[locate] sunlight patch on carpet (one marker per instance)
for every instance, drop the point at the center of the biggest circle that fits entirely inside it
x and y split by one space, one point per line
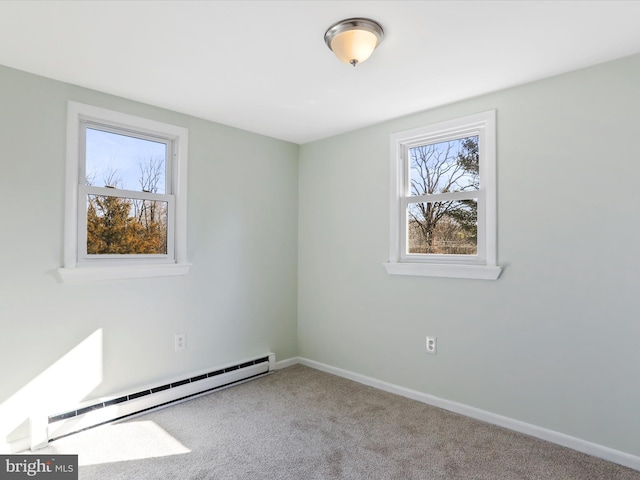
118 443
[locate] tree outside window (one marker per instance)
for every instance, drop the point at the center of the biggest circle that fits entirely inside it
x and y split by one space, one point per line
444 227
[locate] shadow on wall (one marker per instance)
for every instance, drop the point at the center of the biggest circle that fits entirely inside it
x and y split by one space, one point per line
61 386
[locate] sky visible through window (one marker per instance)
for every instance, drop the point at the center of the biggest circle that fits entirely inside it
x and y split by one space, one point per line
444 167
121 161
443 227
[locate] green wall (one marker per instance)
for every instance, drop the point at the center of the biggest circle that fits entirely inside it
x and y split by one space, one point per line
554 341
238 300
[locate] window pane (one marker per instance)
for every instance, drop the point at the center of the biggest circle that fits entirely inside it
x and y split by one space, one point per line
445 228
118 225
125 162
451 166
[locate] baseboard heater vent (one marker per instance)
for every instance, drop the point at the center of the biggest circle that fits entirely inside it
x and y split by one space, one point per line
117 408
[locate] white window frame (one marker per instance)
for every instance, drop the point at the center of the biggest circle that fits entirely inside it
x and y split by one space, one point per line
483 265
78 266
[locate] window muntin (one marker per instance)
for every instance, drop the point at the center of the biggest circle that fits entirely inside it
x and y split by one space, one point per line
443 206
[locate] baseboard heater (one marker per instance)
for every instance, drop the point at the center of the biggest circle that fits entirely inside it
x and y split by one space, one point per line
122 406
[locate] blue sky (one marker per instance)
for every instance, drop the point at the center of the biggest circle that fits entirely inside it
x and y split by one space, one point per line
108 152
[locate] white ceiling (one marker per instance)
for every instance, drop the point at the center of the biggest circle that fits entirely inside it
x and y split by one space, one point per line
263 65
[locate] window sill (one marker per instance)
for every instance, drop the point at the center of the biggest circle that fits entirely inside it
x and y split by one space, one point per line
478 272
121 272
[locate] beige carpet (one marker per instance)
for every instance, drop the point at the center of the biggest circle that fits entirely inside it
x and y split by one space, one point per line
302 424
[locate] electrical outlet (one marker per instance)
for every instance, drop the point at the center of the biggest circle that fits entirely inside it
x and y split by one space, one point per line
432 345
180 341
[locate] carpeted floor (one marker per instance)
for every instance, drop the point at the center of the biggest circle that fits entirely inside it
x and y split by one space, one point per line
303 424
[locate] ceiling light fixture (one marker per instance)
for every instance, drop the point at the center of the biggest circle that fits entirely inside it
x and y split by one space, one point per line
353 40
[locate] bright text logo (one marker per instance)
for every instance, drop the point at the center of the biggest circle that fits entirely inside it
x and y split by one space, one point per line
55 467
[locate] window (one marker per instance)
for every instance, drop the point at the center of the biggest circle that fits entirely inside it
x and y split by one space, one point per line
443 200
125 212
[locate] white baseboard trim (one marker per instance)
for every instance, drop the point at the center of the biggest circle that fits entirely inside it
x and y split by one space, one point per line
287 363
606 453
593 449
